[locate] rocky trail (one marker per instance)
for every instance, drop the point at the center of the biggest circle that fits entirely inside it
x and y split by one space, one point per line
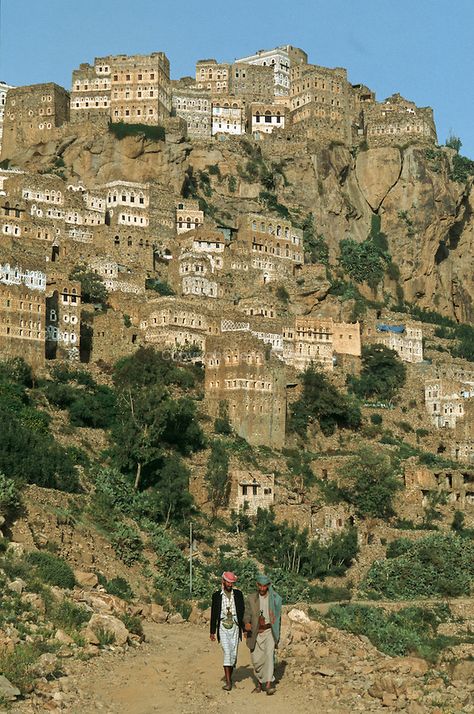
321 670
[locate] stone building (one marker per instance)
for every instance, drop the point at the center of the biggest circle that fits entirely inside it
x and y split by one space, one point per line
32 113
177 324
212 76
275 245
456 485
4 87
405 340
239 372
308 340
280 59
251 490
445 401
133 89
320 97
188 215
228 116
128 203
22 308
252 82
194 106
265 117
398 120
63 319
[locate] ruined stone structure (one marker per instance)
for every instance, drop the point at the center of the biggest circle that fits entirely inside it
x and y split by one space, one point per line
131 89
457 486
280 59
32 113
251 490
397 120
240 373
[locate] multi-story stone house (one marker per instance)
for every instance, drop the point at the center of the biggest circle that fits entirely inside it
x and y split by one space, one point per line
251 490
445 401
280 59
195 272
32 113
308 340
63 319
22 308
405 340
188 215
240 373
275 245
265 117
177 324
131 89
320 97
118 277
398 120
212 76
194 106
228 115
252 82
4 87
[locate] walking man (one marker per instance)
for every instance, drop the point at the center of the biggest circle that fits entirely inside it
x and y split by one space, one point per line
227 613
262 625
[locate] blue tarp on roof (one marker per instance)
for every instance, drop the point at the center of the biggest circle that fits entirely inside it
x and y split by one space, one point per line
391 328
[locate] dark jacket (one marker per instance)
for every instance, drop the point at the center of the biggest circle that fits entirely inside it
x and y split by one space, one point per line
216 611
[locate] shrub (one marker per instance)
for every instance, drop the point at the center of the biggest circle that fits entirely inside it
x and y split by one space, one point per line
321 401
120 587
17 665
105 637
52 570
382 374
412 630
159 286
10 497
369 482
120 130
439 565
282 293
127 544
68 616
133 624
376 419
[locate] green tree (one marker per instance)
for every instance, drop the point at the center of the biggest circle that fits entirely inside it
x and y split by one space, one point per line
454 142
369 482
382 374
93 289
217 477
321 401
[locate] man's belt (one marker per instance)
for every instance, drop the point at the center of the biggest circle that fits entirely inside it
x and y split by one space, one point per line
262 628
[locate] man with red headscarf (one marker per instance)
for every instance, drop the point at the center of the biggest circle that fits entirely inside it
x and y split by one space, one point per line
227 620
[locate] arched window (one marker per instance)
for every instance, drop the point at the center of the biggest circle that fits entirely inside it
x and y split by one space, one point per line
116 240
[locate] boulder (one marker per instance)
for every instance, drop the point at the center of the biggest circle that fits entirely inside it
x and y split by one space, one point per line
158 613
110 624
7 690
206 615
17 586
86 580
63 638
46 665
298 616
176 619
35 600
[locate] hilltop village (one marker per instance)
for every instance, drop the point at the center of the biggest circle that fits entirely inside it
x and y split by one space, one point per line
235 290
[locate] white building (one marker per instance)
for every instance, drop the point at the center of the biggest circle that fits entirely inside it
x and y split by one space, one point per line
228 117
281 59
3 98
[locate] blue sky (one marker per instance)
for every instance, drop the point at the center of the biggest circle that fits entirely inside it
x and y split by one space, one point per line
421 48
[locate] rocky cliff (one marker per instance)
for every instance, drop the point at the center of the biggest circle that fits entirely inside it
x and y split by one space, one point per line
425 215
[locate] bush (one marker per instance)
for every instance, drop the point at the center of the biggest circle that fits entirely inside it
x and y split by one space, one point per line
382 374
321 401
376 419
370 482
412 630
68 616
133 624
105 637
127 544
120 130
159 286
120 587
10 497
282 293
52 570
17 665
439 565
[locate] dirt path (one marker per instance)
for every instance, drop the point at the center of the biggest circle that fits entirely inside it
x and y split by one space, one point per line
178 670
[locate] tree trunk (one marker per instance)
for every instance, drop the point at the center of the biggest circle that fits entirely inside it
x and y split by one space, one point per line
138 476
